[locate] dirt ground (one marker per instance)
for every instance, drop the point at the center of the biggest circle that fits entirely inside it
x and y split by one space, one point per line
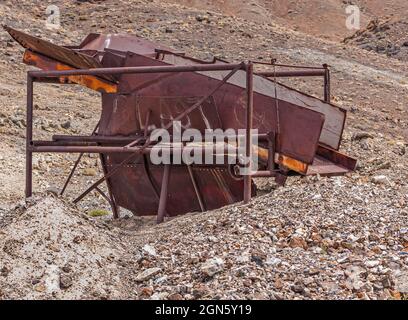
316 238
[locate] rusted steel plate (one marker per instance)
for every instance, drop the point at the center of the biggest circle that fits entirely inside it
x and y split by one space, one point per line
300 128
58 53
121 42
135 191
335 116
91 82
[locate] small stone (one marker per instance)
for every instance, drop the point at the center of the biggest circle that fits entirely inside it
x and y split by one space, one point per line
355 284
272 261
159 296
387 282
65 281
298 242
343 260
212 267
146 292
200 291
66 124
243 258
361 135
175 296
149 249
372 263
90 172
67 268
257 260
147 274
40 287
4 272
53 190
297 288
381 179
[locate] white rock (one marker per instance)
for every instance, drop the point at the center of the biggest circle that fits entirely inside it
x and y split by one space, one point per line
372 263
147 274
149 249
51 279
212 266
381 179
272 261
244 258
159 296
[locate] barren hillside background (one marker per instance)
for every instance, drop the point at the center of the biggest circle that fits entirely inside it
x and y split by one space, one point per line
332 238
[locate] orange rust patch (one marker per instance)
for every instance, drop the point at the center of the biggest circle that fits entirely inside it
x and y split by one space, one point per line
292 164
90 82
286 161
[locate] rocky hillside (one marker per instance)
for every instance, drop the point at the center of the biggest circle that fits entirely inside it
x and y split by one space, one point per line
388 37
332 238
315 17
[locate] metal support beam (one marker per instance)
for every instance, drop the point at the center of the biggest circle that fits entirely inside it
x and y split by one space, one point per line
29 138
133 70
249 118
163 194
76 165
327 89
115 209
196 189
271 151
292 74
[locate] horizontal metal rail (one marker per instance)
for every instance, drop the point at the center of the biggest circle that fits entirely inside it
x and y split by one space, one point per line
290 74
134 70
135 150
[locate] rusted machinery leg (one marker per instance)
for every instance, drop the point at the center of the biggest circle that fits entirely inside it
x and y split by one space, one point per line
249 116
327 91
115 209
76 165
281 176
78 160
163 194
29 138
196 189
271 151
103 195
111 173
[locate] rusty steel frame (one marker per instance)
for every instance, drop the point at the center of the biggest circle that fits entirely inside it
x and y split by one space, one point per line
45 146
292 139
311 72
76 165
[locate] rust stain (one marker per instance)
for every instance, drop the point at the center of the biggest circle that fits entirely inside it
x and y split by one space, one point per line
90 82
292 164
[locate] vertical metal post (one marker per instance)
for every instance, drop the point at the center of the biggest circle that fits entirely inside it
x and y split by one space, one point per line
327 90
163 194
271 151
249 117
29 137
115 208
196 189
